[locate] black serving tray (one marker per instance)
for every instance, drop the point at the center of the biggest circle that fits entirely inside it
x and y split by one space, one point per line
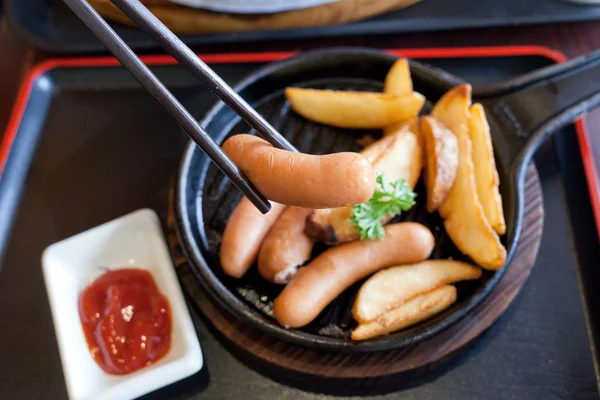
50 25
86 144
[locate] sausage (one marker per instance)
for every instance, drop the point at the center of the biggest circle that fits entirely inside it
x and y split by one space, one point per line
286 246
244 233
328 275
303 180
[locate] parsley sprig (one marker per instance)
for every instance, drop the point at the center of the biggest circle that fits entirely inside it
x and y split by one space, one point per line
389 199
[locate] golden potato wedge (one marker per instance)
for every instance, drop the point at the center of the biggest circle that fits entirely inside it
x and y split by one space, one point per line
486 174
398 80
412 312
402 159
331 226
365 140
398 156
392 287
358 110
441 160
374 150
411 123
463 215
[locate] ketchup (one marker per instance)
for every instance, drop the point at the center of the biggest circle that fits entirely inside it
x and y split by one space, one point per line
126 321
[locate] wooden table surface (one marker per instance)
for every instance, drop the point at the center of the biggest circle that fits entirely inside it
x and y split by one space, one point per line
16 58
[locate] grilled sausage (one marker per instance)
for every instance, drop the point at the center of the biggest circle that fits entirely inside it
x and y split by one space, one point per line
303 180
286 246
328 275
244 233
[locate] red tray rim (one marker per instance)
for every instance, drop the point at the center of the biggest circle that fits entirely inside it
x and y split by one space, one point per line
589 163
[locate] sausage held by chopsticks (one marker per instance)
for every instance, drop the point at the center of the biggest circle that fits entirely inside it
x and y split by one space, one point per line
303 180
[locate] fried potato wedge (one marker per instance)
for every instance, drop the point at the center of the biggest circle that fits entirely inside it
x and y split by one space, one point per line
331 226
486 174
357 110
365 140
402 159
374 150
441 160
412 312
398 80
463 215
398 156
392 287
411 123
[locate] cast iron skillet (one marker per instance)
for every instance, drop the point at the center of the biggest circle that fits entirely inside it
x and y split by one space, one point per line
522 113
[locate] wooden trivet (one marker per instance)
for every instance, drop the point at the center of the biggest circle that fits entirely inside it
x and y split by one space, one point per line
187 21
370 365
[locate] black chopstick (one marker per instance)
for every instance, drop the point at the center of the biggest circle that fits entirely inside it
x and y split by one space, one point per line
148 22
152 84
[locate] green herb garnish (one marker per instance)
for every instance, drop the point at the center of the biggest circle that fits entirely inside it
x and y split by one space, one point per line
389 199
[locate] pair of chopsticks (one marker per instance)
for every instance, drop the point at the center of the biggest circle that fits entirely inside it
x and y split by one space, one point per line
144 19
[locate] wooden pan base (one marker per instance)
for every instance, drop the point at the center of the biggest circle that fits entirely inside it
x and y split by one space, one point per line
188 21
381 364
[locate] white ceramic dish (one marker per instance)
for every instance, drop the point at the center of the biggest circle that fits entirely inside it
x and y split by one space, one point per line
134 240
252 6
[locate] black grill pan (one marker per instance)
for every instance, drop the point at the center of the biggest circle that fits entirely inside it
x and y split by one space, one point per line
522 114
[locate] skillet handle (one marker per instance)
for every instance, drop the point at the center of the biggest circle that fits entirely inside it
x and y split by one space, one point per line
532 107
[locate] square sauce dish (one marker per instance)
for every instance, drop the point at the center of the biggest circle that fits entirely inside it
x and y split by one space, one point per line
71 265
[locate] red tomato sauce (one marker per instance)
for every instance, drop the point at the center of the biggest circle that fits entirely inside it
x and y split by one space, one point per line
126 321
